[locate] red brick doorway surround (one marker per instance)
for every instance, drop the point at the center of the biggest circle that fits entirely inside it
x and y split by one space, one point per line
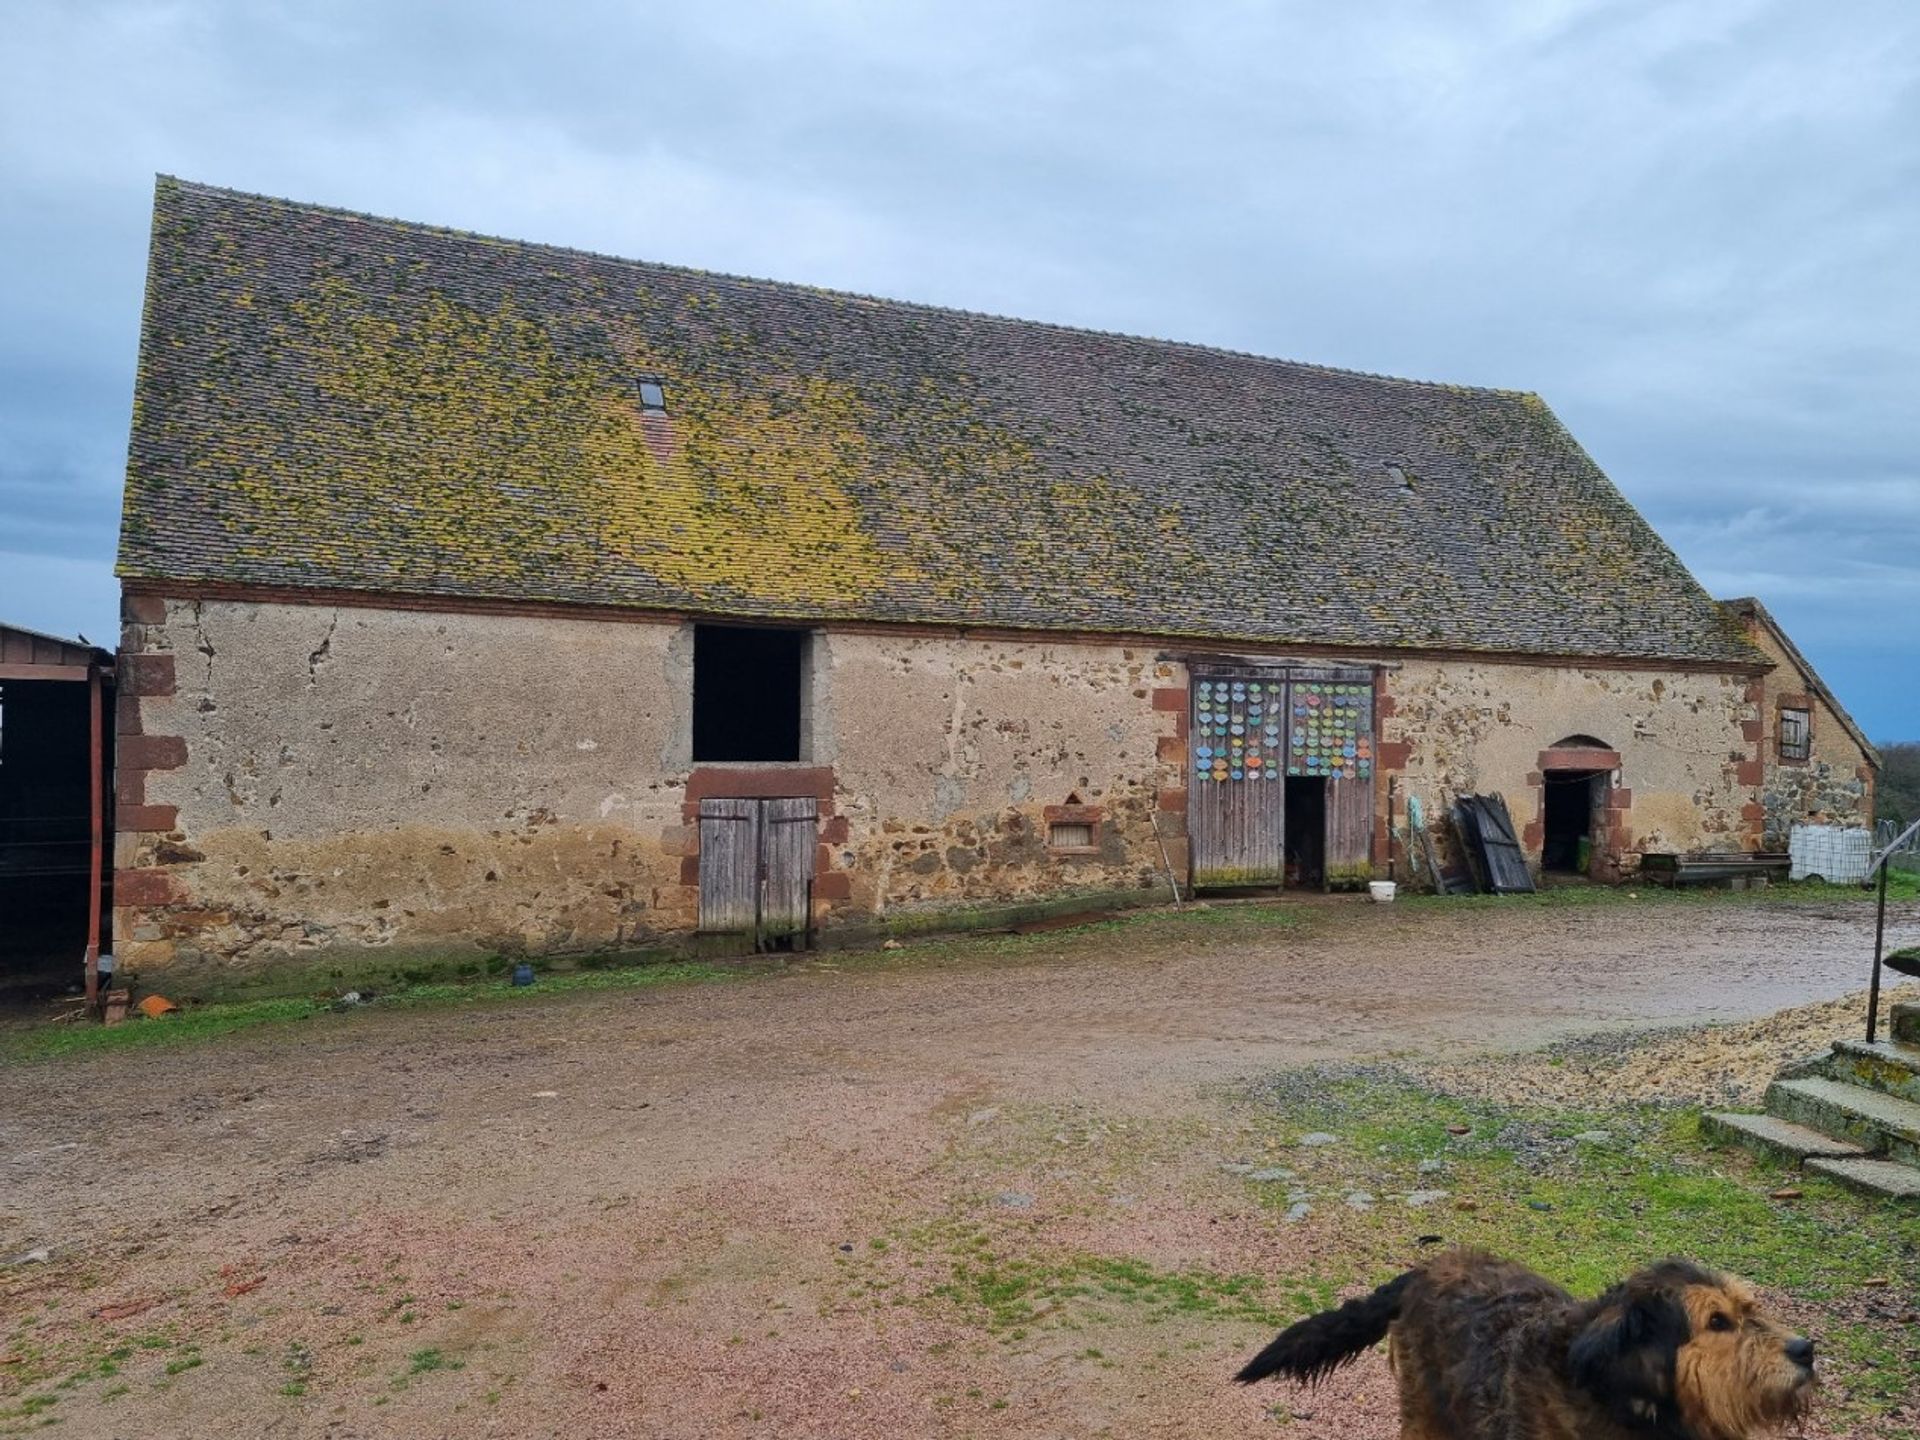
1612 839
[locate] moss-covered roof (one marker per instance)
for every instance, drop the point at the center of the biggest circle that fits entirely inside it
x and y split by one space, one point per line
331 400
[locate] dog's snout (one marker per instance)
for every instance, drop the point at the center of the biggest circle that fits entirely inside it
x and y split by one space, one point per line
1800 1351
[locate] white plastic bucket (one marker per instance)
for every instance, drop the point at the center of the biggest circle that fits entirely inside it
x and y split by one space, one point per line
1381 891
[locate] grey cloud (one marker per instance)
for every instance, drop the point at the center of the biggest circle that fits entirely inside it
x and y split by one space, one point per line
1689 227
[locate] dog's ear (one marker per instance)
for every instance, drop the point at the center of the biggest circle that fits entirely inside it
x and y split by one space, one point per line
1625 1355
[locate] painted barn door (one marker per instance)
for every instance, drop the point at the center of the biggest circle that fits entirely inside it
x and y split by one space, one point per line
1236 802
1330 736
756 869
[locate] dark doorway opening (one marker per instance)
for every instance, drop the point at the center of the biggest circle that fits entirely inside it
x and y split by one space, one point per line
1306 826
746 693
46 837
1566 848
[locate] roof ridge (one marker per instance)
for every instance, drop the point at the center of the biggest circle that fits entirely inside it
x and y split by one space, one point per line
955 311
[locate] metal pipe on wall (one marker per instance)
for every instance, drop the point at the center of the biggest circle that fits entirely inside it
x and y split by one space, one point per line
97 797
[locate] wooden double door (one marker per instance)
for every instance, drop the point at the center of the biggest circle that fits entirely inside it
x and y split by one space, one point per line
1264 740
756 869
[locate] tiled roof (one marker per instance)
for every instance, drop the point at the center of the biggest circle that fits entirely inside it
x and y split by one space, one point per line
335 401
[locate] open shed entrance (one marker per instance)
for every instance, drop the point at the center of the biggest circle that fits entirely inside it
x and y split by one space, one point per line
1573 799
54 770
1306 831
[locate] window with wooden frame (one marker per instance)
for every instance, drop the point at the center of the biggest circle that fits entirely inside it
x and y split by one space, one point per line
1073 828
1795 729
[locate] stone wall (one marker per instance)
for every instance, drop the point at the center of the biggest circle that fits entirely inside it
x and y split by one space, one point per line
1834 785
313 784
306 789
1687 765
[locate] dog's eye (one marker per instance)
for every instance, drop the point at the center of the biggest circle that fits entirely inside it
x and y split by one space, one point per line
1717 1321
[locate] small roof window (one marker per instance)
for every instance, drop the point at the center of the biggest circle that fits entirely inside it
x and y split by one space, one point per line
653 395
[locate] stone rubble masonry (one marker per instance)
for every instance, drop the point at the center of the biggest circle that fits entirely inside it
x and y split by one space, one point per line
306 785
1834 785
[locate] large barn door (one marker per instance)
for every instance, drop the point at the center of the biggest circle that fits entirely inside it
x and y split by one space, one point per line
756 869
1349 831
1330 736
787 835
1236 805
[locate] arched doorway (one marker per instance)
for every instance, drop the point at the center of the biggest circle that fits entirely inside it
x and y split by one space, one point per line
1576 777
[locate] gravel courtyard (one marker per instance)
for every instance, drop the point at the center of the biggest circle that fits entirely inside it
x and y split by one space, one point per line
1004 1186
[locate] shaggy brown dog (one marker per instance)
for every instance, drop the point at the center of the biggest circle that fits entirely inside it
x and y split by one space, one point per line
1487 1350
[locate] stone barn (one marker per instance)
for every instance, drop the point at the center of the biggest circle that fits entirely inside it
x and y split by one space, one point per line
1818 766
487 598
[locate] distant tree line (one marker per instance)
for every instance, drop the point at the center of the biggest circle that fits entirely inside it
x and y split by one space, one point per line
1899 798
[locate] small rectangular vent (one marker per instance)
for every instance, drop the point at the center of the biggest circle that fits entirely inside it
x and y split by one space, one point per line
1070 835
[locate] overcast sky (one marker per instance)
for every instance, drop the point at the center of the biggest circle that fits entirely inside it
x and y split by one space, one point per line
1694 228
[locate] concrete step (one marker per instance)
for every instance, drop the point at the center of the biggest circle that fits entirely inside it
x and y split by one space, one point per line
1888 1179
1889 1066
1905 1023
1770 1135
1884 1124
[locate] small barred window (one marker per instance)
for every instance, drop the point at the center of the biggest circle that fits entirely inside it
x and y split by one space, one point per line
1796 733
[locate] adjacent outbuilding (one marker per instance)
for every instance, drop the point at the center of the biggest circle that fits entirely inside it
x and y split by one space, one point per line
56 786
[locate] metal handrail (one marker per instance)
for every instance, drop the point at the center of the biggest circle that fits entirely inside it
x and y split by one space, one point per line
1880 924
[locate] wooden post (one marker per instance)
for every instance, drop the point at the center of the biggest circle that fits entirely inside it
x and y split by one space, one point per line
97 795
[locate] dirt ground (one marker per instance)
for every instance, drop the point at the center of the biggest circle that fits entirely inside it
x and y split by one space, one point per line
733 1209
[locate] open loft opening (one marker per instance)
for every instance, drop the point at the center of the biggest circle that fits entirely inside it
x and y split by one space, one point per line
747 690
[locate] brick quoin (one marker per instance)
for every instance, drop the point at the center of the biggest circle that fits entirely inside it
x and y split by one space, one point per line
1175 800
1751 730
1167 698
143 609
143 887
1170 747
1750 772
153 752
130 787
1394 754
836 885
147 675
145 819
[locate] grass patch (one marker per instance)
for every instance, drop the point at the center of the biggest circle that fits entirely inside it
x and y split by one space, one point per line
194 1024
423 1362
1586 1213
1009 1294
1162 923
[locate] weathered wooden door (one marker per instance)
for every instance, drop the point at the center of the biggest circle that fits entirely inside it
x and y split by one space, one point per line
788 829
1236 803
756 869
1349 831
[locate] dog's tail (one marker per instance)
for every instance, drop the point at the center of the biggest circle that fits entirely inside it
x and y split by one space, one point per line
1313 1348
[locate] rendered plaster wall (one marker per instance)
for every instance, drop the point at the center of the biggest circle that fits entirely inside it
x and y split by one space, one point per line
306 786
1834 785
1688 773
948 754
